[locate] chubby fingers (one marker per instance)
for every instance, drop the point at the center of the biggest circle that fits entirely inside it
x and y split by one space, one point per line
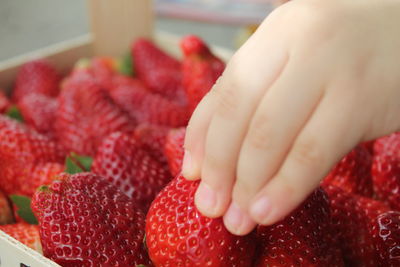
219 124
279 117
327 136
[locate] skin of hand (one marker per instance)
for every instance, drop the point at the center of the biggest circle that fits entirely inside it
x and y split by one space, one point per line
316 78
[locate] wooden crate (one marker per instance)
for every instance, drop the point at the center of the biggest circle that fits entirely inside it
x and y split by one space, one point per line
114 25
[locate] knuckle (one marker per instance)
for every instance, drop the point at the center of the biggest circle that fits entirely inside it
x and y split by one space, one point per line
227 101
307 152
312 18
260 135
212 162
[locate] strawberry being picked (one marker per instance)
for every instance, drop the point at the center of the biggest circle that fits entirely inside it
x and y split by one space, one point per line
133 166
386 169
27 158
174 149
201 69
6 214
27 234
161 73
86 221
36 76
178 235
353 172
38 111
303 238
87 114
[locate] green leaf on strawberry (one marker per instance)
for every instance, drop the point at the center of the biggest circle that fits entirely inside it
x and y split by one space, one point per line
84 161
125 65
24 210
71 166
14 113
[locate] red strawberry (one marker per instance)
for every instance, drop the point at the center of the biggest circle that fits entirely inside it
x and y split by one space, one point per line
161 73
153 137
86 221
103 70
174 149
4 102
387 238
369 145
178 235
24 178
146 107
86 114
125 162
386 169
31 176
303 238
386 142
353 217
25 233
37 76
6 215
38 112
201 69
353 172
25 156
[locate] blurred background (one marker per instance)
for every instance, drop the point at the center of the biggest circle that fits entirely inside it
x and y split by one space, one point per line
27 25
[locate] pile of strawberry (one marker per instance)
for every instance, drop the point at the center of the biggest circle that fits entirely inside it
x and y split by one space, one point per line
90 163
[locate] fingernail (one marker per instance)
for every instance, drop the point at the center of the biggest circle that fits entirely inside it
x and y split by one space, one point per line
233 219
260 210
206 199
187 163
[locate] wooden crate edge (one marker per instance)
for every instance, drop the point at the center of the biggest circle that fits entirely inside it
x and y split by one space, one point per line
14 253
63 55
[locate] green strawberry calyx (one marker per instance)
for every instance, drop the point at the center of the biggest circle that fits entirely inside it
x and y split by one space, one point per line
75 163
24 210
14 113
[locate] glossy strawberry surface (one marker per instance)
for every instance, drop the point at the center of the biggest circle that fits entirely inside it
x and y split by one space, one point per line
26 157
387 238
178 235
36 76
386 169
353 218
201 69
147 107
25 233
132 166
6 214
174 149
86 221
87 114
303 238
353 172
38 111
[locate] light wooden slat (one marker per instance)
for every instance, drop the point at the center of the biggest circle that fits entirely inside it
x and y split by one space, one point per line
13 253
62 56
65 54
116 23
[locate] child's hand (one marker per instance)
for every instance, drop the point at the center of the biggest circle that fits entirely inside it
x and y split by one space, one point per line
318 77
